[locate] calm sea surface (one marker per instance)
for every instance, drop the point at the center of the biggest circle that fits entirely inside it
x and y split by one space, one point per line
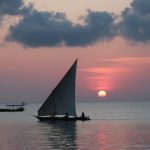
114 126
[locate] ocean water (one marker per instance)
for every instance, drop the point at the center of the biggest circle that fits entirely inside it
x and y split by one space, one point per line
113 126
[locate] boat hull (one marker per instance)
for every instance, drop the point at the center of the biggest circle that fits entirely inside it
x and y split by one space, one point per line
12 110
41 118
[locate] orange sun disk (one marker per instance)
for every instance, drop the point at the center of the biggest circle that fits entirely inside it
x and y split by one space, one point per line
102 93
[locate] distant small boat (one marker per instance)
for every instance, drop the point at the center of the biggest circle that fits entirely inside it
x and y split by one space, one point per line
60 104
13 108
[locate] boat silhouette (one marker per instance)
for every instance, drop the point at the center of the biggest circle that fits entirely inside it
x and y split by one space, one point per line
60 104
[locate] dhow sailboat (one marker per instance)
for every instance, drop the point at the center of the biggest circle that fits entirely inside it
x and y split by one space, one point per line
60 104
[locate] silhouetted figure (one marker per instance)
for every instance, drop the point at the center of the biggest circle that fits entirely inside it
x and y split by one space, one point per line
83 115
53 114
66 115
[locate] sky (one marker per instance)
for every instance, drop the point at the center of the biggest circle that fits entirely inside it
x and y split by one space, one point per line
40 39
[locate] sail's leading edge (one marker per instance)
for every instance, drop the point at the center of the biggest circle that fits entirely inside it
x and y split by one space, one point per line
62 98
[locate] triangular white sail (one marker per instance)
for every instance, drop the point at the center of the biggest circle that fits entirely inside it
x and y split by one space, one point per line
62 98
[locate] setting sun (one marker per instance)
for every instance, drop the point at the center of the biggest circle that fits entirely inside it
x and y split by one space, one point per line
102 93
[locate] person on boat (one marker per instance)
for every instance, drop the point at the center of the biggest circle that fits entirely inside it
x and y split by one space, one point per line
82 115
53 115
66 116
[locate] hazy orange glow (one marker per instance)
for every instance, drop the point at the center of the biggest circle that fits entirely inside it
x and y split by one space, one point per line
117 75
105 77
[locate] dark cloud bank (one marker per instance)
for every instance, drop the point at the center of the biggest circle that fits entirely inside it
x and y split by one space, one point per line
53 29
10 7
136 21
